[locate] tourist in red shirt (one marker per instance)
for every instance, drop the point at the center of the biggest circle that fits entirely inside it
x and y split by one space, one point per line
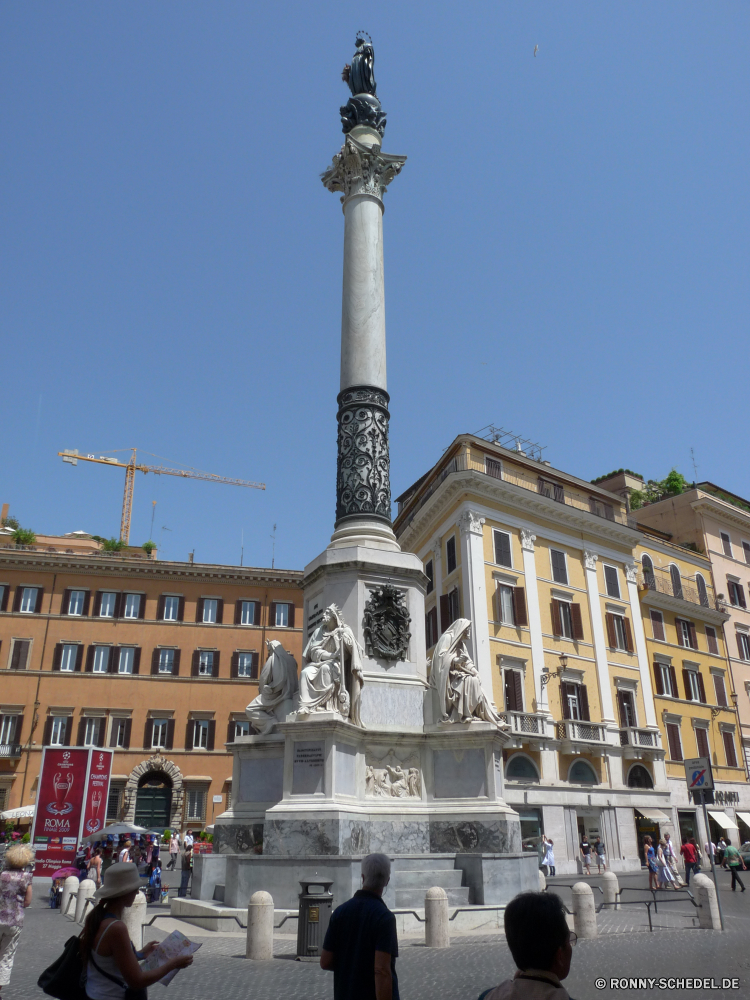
690 853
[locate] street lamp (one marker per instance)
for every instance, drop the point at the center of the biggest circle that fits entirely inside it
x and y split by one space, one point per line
547 675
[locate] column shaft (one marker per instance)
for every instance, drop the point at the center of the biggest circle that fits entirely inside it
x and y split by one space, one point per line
363 295
535 618
600 644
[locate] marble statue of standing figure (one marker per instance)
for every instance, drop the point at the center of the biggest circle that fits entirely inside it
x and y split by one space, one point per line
456 679
331 679
277 688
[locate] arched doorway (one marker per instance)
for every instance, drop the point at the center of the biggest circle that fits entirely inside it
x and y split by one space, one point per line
153 803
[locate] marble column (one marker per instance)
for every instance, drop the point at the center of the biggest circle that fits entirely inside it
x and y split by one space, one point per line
631 575
471 527
600 643
535 618
362 172
437 574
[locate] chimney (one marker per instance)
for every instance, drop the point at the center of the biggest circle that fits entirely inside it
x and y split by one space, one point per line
4 514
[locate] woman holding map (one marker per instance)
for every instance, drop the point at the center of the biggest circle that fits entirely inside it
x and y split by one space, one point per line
109 957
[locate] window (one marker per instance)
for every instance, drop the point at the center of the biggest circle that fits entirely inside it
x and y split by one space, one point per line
8 726
210 607
20 654
200 734
505 605
559 568
729 748
160 728
746 550
648 572
100 661
582 773
726 544
626 706
665 678
493 468
701 740
429 572
520 768
619 633
107 604
241 728
431 628
566 620
674 741
657 625
638 777
702 590
743 645
575 701
552 490
58 731
719 688
91 732
28 600
166 661
196 804
454 604
513 691
206 662
611 582
120 733
450 553
713 645
282 616
113 803
248 613
674 575
246 665
126 660
4 596
686 634
132 606
76 602
736 594
503 555
693 685
171 609
68 657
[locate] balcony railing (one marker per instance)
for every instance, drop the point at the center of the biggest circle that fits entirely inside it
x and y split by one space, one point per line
639 738
539 484
662 583
10 749
580 732
525 724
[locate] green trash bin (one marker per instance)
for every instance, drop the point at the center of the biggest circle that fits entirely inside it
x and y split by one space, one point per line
315 908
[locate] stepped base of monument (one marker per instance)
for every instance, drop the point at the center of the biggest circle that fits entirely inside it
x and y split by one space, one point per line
468 879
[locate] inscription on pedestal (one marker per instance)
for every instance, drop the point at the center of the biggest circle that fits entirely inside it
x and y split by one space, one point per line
307 768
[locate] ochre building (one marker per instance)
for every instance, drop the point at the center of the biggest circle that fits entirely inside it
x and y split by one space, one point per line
156 660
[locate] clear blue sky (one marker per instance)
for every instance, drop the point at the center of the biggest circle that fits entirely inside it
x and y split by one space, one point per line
566 249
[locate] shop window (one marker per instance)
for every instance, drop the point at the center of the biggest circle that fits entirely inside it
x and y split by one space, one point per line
582 773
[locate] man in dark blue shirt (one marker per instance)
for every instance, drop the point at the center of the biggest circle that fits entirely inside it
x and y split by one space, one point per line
361 944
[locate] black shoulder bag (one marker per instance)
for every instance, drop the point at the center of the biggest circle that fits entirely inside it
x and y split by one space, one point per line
64 978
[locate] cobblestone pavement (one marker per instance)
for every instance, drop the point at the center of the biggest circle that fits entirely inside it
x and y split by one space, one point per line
624 949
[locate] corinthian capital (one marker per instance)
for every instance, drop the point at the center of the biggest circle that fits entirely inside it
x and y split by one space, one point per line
471 523
527 539
590 559
631 572
359 169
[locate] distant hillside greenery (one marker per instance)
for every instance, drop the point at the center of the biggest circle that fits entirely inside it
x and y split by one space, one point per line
657 489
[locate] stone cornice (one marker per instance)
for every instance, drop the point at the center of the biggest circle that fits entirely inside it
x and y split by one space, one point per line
722 510
686 609
143 569
517 498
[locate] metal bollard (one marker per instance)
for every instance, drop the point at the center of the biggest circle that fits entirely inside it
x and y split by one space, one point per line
611 886
584 911
135 917
86 890
70 885
708 914
436 931
315 907
260 927
542 881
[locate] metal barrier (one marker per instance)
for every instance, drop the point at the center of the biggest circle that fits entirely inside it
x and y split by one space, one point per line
672 897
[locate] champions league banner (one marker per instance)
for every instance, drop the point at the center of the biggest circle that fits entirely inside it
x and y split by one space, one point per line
71 802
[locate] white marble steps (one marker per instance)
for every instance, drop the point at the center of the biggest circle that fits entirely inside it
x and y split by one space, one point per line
412 877
424 880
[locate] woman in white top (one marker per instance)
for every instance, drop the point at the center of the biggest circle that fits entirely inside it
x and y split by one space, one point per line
108 955
124 855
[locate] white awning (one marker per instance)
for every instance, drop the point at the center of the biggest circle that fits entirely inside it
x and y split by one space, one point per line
648 812
723 820
22 812
745 817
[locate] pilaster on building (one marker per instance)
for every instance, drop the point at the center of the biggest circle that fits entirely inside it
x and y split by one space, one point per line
548 567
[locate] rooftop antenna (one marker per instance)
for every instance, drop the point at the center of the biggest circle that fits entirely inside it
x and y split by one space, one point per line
153 512
242 546
273 550
695 467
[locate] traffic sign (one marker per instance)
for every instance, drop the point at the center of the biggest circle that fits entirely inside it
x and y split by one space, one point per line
698 774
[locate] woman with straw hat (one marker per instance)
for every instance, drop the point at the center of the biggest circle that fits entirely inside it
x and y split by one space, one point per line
15 896
110 960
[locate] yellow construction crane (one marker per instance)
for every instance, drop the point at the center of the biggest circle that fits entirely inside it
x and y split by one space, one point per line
132 467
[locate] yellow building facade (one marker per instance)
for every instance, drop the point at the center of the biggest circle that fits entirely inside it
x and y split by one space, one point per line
544 565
